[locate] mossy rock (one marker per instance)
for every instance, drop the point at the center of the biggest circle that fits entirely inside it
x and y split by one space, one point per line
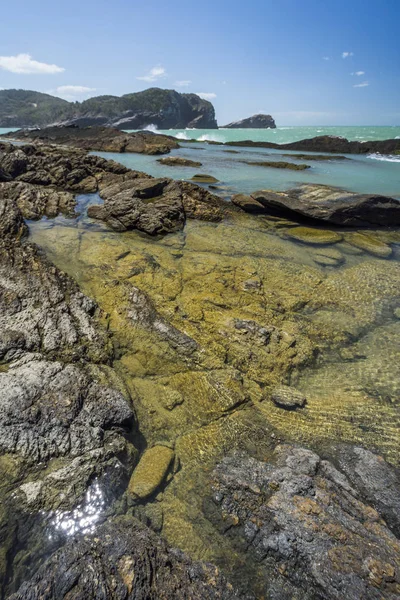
202 178
150 472
369 243
178 161
328 257
309 235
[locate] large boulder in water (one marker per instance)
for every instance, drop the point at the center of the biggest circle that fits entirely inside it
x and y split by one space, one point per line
331 205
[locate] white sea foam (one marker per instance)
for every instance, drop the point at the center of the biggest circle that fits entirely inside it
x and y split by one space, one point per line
385 157
152 128
208 138
182 136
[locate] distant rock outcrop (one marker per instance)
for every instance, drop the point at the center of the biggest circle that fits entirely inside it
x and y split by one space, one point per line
164 109
102 139
254 122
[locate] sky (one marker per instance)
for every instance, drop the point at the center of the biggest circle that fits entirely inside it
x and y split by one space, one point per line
308 62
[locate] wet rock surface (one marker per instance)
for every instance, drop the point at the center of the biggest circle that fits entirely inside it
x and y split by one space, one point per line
103 139
178 161
332 205
125 560
277 164
307 524
288 397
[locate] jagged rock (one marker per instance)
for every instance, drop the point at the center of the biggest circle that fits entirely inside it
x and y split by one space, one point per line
104 139
259 121
248 204
179 161
288 397
35 201
332 205
308 527
150 472
124 560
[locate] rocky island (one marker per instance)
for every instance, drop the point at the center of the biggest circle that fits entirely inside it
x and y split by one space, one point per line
164 109
255 122
196 401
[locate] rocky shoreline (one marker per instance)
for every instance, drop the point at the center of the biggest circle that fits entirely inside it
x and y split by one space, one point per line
171 398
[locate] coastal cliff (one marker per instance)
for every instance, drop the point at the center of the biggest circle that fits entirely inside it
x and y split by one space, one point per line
163 108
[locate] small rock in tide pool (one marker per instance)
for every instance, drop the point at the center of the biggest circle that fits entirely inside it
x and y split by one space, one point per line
396 313
248 204
151 471
369 243
309 235
201 178
288 397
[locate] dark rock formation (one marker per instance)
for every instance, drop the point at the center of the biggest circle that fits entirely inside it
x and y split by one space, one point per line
330 205
165 109
277 164
328 143
308 526
124 561
102 139
155 206
178 161
254 122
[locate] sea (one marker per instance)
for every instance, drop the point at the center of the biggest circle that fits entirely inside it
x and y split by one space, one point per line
370 173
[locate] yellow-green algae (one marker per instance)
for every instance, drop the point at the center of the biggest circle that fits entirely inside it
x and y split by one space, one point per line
263 313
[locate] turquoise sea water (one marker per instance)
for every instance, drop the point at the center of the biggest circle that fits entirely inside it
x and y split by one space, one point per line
360 173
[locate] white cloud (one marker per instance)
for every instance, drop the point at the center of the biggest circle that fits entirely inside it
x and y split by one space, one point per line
24 64
326 58
347 54
72 92
363 84
206 95
154 74
183 83
359 73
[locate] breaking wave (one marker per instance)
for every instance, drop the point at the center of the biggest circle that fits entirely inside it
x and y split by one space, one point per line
385 157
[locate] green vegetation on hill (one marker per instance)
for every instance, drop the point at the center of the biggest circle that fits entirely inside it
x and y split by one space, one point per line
22 108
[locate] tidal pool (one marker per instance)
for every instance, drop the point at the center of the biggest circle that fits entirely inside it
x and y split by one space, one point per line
262 309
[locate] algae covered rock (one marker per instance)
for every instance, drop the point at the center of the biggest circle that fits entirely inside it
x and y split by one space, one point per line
150 472
328 257
278 164
369 243
288 397
248 204
309 235
202 178
179 161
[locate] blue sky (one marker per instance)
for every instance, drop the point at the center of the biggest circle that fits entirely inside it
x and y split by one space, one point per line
306 62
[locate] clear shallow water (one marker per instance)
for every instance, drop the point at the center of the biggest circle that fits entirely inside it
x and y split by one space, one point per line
364 174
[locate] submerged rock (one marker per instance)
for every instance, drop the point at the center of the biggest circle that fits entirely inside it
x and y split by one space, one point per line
288 397
308 526
150 472
309 235
124 560
369 243
332 205
277 164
